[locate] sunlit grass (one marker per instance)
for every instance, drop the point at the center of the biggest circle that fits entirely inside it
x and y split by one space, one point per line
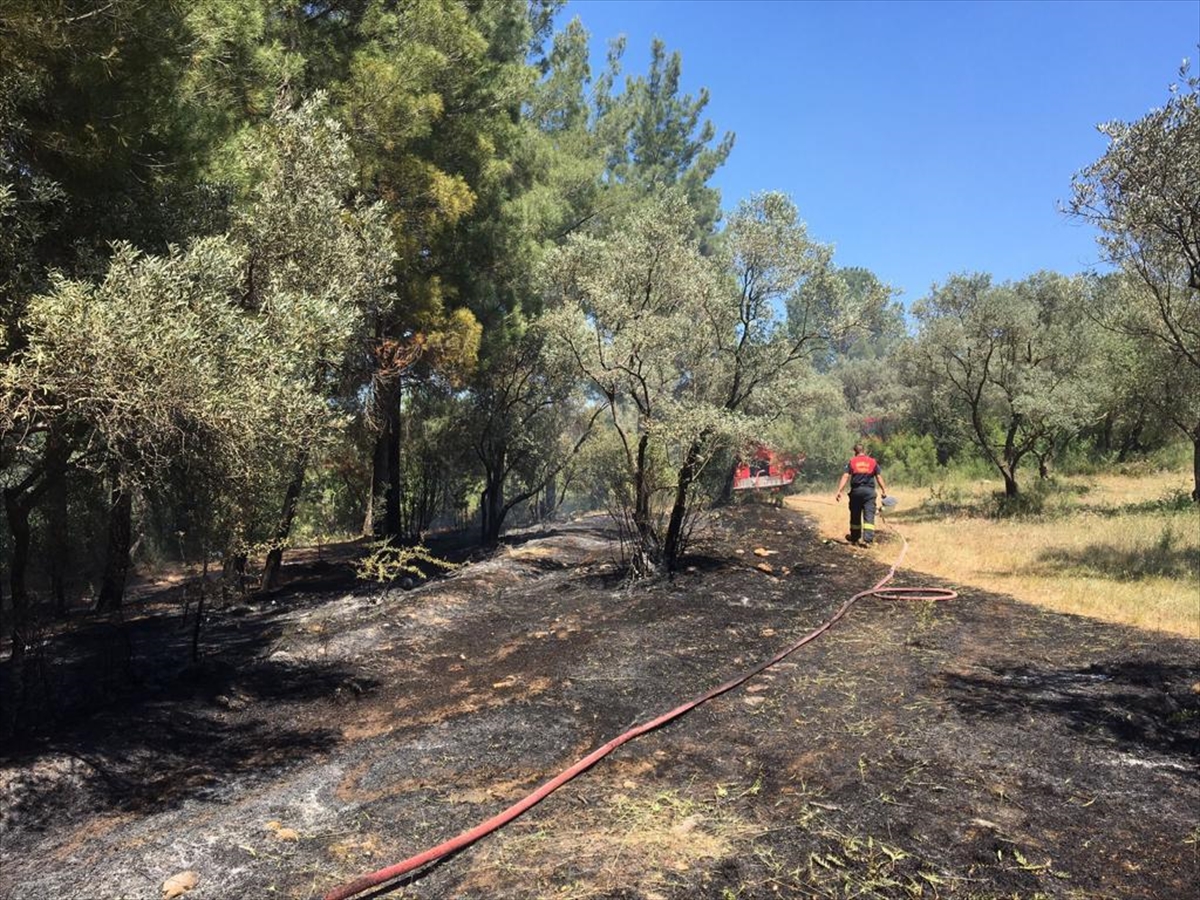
1119 548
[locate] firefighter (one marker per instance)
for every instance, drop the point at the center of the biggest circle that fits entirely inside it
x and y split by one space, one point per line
862 472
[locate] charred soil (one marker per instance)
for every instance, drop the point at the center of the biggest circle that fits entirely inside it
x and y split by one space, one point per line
976 748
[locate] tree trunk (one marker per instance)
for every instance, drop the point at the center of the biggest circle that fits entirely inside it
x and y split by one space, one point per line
17 506
726 495
200 609
379 478
391 512
291 501
687 474
1196 464
646 556
116 565
58 542
549 498
233 575
491 508
1010 483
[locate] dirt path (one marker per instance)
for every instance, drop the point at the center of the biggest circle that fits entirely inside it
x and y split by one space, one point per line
974 749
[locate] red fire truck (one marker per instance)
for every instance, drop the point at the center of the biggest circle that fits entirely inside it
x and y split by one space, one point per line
766 470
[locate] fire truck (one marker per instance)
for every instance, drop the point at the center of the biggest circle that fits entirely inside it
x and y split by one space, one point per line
766 470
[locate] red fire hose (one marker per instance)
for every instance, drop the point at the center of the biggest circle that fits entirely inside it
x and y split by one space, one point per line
485 828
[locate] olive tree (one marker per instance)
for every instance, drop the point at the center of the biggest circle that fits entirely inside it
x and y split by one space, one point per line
1144 197
1006 361
318 268
689 353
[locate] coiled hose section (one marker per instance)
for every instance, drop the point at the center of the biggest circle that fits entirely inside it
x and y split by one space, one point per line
433 854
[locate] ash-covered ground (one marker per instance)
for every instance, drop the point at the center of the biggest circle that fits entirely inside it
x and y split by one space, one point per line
970 749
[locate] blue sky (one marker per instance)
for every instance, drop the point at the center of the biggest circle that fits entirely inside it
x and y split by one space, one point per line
921 139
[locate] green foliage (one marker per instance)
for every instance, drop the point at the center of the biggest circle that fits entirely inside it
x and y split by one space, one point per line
386 562
1003 361
687 350
820 429
1142 194
1025 504
907 459
213 364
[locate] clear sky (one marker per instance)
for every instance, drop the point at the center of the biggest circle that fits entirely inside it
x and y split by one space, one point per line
921 139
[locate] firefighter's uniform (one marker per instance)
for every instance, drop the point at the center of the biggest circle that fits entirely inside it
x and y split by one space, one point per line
862 470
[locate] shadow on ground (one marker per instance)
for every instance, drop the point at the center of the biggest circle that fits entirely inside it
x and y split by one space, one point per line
189 740
1129 704
1163 560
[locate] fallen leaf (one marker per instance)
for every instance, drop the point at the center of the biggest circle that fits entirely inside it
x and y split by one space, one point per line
767 632
506 683
274 825
754 701
287 834
740 551
763 551
765 567
629 785
178 885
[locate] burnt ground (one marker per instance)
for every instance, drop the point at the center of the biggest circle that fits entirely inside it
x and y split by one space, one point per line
977 748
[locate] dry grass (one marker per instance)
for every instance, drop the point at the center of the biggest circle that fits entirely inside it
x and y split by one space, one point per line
636 841
1111 547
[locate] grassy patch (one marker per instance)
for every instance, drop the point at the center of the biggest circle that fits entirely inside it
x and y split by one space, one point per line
635 840
1123 548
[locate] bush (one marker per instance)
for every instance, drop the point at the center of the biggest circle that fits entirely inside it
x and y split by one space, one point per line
908 459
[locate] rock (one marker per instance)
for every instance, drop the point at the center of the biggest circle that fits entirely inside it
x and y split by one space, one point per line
180 884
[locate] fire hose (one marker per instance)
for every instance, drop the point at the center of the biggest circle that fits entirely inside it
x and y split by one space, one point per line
496 822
